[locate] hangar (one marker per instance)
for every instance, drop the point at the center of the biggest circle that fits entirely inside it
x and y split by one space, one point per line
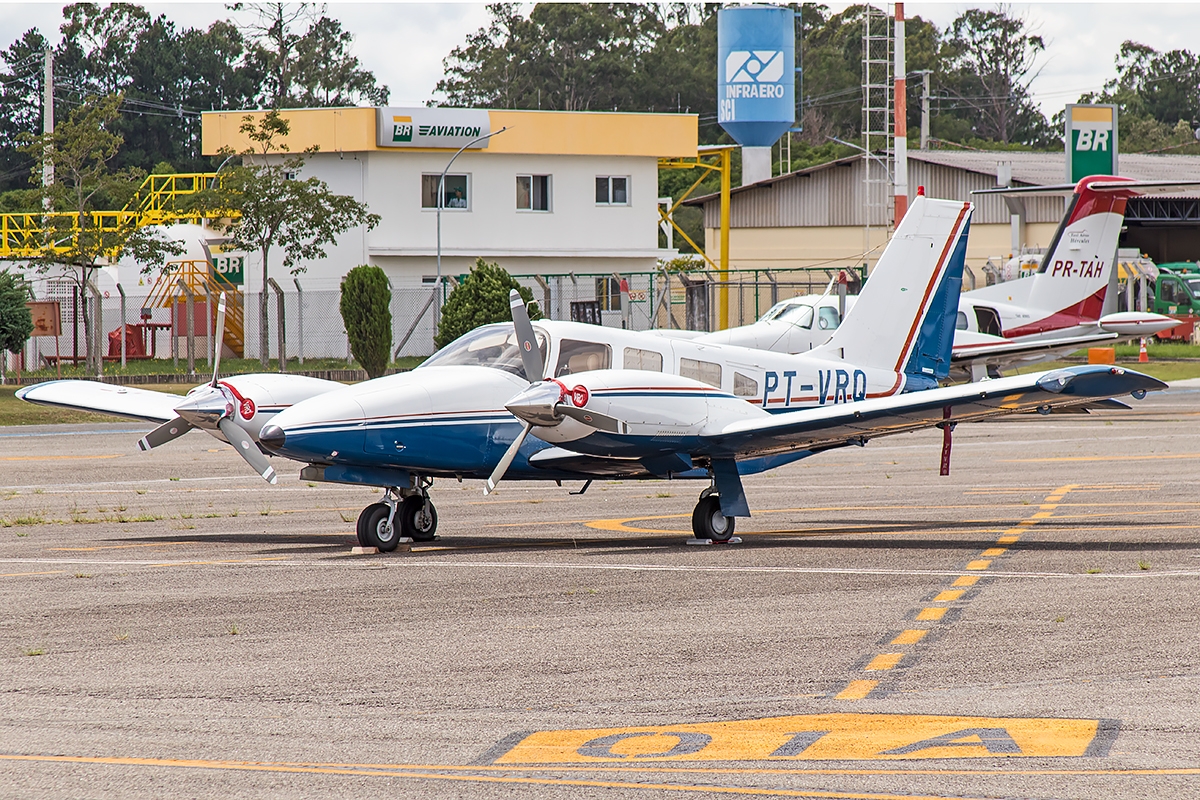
831 215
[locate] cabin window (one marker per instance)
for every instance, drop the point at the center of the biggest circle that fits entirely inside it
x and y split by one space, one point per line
576 356
798 315
533 192
744 385
960 322
456 196
988 321
492 346
703 371
828 318
648 360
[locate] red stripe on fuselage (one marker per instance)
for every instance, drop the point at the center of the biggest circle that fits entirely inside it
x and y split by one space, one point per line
1086 310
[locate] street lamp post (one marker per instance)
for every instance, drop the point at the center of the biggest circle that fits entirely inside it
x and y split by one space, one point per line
441 199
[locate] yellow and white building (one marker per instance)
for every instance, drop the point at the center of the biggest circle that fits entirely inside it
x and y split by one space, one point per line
555 192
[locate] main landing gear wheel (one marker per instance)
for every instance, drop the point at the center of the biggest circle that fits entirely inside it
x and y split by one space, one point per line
709 523
417 519
374 530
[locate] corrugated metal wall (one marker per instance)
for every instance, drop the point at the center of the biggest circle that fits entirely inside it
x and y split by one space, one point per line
836 196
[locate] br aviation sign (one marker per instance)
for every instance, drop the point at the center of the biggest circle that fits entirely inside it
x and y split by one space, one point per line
1091 139
431 127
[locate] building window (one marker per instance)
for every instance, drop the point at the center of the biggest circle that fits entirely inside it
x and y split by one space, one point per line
533 192
612 190
744 386
703 371
608 294
649 360
457 194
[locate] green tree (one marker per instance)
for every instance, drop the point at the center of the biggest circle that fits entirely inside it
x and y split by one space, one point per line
366 310
16 323
80 150
989 59
304 58
263 204
481 299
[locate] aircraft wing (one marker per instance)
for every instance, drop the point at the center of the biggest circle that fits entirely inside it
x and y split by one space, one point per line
859 422
104 398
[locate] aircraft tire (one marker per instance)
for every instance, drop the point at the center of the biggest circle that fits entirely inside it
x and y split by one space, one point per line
375 530
361 527
414 523
709 523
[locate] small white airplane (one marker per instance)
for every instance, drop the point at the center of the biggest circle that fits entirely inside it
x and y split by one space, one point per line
1057 310
606 402
232 409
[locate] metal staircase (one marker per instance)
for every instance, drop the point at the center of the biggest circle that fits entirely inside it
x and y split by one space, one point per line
198 276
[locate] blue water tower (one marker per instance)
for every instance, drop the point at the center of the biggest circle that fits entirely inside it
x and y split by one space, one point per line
756 81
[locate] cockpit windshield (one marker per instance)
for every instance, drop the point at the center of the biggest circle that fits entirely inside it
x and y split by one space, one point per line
792 313
492 346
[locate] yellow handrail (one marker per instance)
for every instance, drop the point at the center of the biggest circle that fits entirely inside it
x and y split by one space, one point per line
36 234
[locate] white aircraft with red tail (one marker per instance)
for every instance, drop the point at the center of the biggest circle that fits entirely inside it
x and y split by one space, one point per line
1058 309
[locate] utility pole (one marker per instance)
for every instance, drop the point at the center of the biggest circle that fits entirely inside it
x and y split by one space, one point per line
925 73
900 123
48 125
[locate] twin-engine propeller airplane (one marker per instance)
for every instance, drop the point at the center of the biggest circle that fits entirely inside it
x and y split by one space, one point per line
676 408
1058 309
233 409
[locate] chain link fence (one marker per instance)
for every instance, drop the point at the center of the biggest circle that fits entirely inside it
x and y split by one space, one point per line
312 323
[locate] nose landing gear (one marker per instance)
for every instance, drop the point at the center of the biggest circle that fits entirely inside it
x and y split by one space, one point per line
405 515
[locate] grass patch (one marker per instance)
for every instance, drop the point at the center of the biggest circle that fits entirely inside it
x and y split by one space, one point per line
35 651
1143 565
1094 571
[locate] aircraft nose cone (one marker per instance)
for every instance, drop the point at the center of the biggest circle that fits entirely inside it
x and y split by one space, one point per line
272 437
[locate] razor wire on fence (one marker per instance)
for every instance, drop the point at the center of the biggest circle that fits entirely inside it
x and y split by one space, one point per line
312 327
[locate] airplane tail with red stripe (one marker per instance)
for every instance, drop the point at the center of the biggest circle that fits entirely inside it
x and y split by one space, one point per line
1072 281
904 317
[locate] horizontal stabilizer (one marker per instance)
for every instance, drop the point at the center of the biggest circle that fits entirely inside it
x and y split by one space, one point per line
1100 185
862 421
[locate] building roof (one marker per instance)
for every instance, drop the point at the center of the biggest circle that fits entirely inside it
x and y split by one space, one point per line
1028 169
1041 169
586 133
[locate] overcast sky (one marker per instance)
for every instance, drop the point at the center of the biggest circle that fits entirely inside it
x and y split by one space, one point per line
404 43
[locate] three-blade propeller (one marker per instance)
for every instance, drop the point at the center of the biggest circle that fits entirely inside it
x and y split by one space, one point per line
531 360
209 407
545 402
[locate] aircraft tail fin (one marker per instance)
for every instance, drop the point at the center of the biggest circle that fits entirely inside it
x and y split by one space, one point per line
904 317
1072 282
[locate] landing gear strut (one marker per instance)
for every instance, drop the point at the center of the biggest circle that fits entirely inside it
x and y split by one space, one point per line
405 515
708 522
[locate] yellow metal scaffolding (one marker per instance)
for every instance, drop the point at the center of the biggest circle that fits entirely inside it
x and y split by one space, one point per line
40 234
709 159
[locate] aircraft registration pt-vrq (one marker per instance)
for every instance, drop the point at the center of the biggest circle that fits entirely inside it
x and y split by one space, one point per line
624 404
1058 309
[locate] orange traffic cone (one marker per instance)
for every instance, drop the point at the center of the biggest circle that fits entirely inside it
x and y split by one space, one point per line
1143 357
